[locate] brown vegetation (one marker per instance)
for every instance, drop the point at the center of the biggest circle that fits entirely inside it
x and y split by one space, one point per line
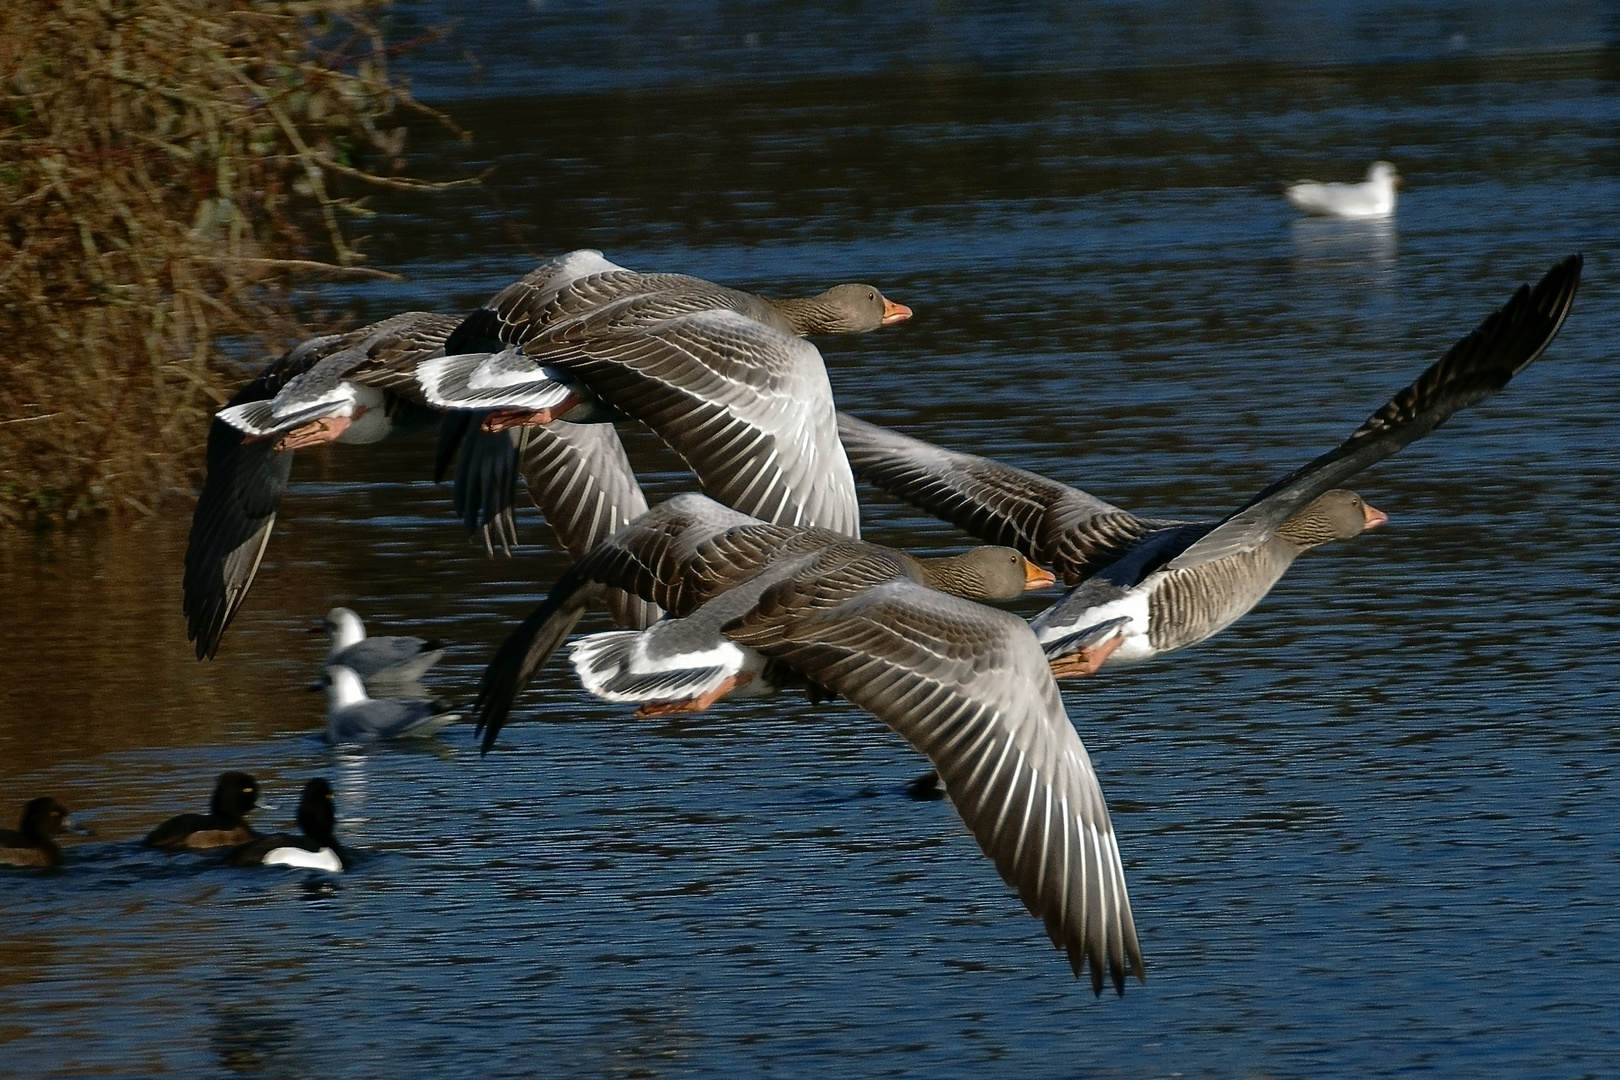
166 167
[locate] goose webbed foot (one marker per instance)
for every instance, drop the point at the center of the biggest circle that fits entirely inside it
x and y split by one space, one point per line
1086 661
697 704
324 430
501 419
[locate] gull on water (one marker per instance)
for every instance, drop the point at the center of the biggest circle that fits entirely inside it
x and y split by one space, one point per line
381 662
353 717
1373 197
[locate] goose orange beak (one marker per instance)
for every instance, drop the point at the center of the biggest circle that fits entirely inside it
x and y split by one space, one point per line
1036 578
1372 517
893 312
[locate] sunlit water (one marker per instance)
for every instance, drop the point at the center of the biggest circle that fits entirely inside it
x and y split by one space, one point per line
1368 831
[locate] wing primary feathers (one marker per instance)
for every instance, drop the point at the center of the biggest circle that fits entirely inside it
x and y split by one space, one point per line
527 648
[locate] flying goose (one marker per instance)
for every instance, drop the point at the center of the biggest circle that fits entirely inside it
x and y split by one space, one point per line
722 376
687 664
966 685
356 386
1177 583
1373 197
577 474
334 388
681 555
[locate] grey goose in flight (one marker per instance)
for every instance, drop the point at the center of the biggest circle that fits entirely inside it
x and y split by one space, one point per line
965 684
722 376
1177 583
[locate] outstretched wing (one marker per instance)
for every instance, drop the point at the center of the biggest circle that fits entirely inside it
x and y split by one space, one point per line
1051 523
229 530
748 406
969 687
237 508
1473 369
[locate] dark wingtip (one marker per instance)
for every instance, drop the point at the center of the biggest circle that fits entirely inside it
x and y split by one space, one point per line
1479 364
486 487
1555 293
526 649
452 431
1551 298
1088 965
230 525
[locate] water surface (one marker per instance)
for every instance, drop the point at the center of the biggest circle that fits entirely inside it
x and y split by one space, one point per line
1368 831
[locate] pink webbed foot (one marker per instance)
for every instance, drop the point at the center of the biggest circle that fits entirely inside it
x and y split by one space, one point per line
697 704
501 419
321 431
1087 661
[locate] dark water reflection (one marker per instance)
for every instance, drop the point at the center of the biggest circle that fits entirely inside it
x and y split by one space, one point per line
1368 831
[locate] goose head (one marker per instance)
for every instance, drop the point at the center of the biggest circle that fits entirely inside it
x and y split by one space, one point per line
842 309
1333 515
985 573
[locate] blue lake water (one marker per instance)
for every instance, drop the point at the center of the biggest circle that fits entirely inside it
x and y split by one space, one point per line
1369 831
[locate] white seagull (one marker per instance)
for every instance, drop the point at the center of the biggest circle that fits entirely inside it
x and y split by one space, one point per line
353 717
1373 197
382 663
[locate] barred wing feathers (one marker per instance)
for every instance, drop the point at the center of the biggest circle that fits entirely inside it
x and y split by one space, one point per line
970 688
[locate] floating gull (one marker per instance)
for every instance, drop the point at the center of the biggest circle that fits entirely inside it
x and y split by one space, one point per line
353 717
383 663
1373 197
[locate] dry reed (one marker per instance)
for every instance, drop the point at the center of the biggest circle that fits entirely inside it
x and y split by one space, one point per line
167 167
